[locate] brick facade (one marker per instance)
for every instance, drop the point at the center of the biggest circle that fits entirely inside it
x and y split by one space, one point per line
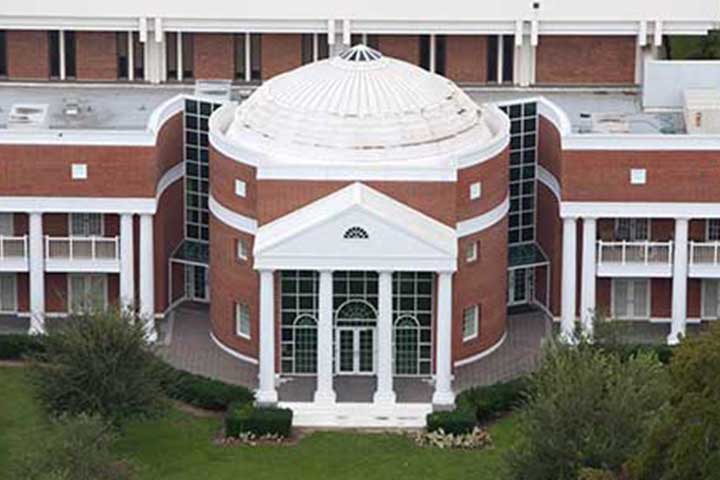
27 55
494 178
403 47
96 54
599 60
214 55
279 53
466 58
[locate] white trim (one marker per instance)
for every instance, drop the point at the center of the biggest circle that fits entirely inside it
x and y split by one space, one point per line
172 175
230 351
232 219
476 322
484 221
640 209
239 306
483 354
78 204
545 177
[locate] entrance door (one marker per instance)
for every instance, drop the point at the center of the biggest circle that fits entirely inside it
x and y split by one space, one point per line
520 286
196 287
355 350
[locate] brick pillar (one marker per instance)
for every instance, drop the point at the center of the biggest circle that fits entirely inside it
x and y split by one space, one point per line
403 47
466 58
27 55
214 55
96 54
279 53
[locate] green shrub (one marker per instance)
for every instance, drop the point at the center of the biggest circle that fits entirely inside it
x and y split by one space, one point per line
458 421
595 474
203 392
18 346
491 401
247 418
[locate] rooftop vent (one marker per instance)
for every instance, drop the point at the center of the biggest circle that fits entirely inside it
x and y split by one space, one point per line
702 111
360 53
609 123
28 116
217 90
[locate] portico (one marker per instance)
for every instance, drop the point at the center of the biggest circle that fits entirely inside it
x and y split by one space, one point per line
365 289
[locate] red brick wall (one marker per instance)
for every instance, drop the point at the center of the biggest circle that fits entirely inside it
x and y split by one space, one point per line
403 47
661 297
466 58
96 54
550 148
493 174
484 283
694 298
56 292
213 55
55 224
549 237
223 173
27 54
168 234
232 281
570 59
672 176
280 52
23 292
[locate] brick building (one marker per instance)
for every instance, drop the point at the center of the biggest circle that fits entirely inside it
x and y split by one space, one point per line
360 194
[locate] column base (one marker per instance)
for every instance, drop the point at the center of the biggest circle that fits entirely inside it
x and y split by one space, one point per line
443 400
675 337
151 334
266 398
37 325
324 397
384 398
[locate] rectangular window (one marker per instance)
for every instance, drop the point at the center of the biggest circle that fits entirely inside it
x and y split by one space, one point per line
86 224
713 230
471 253
69 54
242 320
7 226
470 322
440 54
8 293
255 50
54 53
87 292
240 48
710 299
61 52
631 298
188 66
508 67
138 56
171 55
308 48
632 229
3 54
123 59
425 51
492 59
241 249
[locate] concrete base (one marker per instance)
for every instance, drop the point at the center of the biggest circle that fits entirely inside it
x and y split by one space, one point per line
443 400
266 398
358 415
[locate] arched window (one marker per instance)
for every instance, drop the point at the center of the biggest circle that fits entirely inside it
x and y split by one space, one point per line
305 344
355 311
356 233
407 345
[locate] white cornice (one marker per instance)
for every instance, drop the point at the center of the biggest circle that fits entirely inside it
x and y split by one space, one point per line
483 354
232 352
232 219
549 180
639 210
484 221
171 176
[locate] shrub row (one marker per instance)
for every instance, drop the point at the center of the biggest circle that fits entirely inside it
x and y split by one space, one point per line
16 346
203 392
457 422
663 352
247 418
493 400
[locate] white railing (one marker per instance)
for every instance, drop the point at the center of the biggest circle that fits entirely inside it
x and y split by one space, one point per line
82 248
705 253
635 253
13 248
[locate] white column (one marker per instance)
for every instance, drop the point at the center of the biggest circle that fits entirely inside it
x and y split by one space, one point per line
127 262
443 395
569 272
385 392
679 282
37 275
147 276
325 392
587 296
266 394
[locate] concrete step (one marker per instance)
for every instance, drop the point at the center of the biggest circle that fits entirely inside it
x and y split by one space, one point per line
358 415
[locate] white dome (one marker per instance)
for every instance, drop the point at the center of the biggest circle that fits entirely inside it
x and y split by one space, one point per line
359 106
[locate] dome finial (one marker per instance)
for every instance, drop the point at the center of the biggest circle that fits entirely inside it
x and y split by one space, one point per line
360 53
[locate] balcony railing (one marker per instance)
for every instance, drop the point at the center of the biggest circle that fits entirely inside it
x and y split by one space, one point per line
629 258
13 248
705 253
82 254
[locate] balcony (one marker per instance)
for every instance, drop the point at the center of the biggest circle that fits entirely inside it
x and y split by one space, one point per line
13 254
82 254
704 261
634 259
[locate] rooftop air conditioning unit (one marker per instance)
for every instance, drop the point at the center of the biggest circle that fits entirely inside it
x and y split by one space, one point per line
702 111
28 116
609 123
216 90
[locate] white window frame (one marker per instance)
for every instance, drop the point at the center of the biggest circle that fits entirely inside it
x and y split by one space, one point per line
475 312
475 190
638 176
648 299
632 229
72 215
240 188
9 309
241 250
87 278
703 299
710 225
471 252
79 171
241 322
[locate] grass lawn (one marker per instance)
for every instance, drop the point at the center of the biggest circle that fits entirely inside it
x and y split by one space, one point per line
179 447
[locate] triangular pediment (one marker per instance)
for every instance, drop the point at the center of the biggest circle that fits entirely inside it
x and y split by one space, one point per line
356 227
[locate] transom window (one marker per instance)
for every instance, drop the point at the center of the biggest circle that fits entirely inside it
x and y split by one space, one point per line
471 322
355 298
356 233
86 224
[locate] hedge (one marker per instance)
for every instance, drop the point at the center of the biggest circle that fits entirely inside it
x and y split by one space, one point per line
203 392
663 352
491 401
247 418
16 346
457 421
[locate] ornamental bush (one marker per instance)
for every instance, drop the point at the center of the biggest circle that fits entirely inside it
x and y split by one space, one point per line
586 408
242 418
455 422
203 392
98 363
494 400
18 346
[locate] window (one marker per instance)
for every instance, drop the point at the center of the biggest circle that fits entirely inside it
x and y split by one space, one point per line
630 298
440 54
3 54
188 64
54 53
87 292
433 53
123 55
69 54
470 322
241 249
8 293
240 188
315 47
255 56
138 57
61 51
632 229
638 176
298 314
500 58
471 252
710 299
171 56
78 171
242 320
713 230
475 190
86 225
356 233
7 226
247 56
412 320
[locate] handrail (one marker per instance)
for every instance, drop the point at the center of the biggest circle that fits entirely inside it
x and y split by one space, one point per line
13 246
82 248
637 252
705 253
